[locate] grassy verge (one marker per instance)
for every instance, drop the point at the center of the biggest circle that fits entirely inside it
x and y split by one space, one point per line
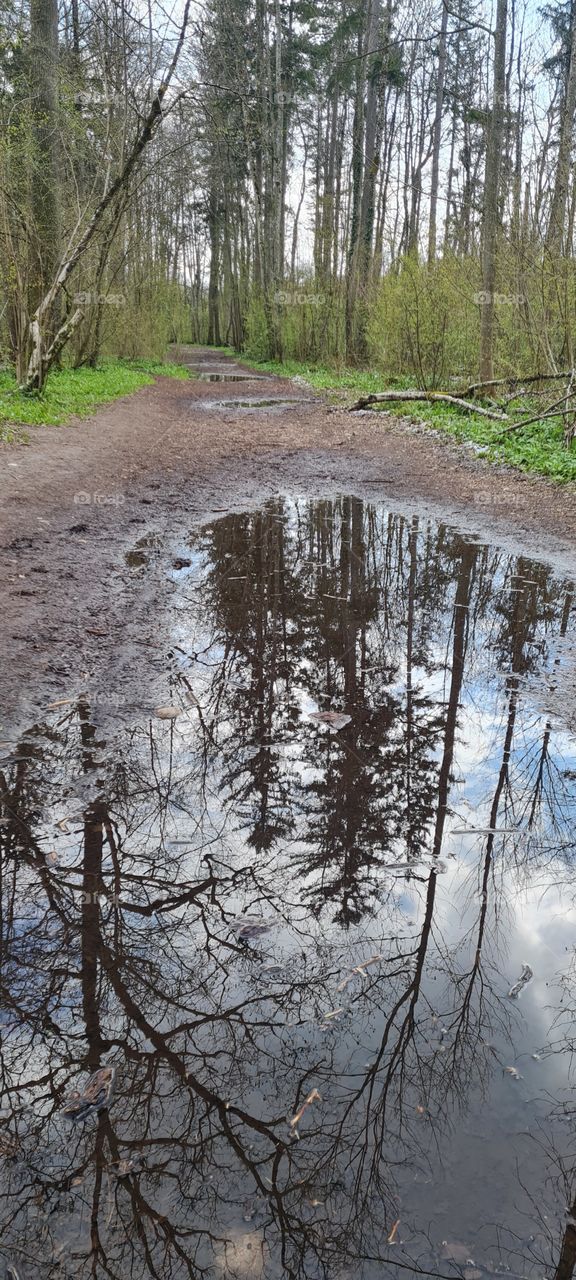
74 393
537 449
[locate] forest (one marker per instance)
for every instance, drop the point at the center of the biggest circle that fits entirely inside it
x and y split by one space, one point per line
374 185
288 674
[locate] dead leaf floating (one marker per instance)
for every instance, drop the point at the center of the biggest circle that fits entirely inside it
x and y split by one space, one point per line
332 1013
455 1252
360 970
392 1236
335 720
166 713
249 926
95 1096
314 1096
525 977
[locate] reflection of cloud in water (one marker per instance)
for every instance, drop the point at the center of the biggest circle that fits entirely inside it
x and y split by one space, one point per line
388 987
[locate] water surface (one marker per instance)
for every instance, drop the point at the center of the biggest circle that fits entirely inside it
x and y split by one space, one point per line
296 942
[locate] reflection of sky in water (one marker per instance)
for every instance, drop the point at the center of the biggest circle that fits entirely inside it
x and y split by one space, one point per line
333 839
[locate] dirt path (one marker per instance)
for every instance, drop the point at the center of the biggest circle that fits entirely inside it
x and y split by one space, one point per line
155 465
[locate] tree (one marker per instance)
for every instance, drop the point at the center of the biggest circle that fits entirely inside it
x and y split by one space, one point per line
45 348
490 213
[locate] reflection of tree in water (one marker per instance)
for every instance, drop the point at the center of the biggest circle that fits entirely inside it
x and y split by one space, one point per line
346 607
116 925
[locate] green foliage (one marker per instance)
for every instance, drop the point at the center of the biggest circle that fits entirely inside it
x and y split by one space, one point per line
537 449
423 322
152 314
75 392
257 339
329 378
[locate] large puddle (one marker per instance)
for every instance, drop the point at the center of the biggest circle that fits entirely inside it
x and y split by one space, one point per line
330 960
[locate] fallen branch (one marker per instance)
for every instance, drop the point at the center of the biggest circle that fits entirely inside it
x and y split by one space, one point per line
552 411
515 382
428 396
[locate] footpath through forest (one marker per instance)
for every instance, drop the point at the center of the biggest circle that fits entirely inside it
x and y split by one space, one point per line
85 507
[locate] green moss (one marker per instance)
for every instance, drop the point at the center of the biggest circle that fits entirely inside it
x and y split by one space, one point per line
74 393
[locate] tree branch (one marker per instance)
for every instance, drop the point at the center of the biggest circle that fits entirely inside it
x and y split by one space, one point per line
433 396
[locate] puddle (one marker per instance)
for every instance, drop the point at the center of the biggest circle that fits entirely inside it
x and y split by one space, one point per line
230 377
251 405
294 939
206 367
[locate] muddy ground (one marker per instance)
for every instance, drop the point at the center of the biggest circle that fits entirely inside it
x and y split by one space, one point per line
94 514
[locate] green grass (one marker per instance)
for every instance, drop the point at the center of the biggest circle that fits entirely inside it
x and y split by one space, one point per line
74 393
537 449
323 378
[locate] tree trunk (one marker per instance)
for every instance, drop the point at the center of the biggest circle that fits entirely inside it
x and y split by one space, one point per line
43 355
213 305
44 175
437 135
491 192
555 232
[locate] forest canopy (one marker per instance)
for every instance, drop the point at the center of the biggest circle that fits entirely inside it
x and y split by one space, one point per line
382 184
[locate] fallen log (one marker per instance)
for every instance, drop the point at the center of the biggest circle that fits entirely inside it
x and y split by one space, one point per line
413 395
